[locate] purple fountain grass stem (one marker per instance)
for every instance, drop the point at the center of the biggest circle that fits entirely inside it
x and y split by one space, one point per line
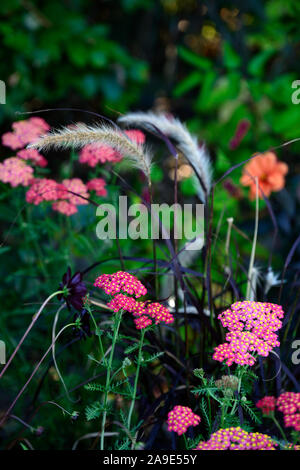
35 318
150 189
7 413
289 142
253 250
72 109
287 262
209 220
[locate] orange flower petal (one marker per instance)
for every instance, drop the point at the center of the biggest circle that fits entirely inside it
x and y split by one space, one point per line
282 168
276 181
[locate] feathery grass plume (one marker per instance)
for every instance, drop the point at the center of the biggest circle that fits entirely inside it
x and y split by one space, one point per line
197 156
80 135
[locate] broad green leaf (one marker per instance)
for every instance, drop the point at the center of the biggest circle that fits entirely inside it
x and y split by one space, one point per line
194 59
192 80
230 57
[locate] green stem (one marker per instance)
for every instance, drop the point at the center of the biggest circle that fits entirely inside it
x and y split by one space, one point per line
53 352
185 442
7 413
118 318
279 427
35 318
139 361
96 331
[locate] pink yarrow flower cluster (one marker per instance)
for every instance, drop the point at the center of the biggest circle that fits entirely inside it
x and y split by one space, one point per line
16 172
267 404
76 185
95 153
237 439
289 404
145 313
181 418
97 185
252 327
34 156
24 132
92 154
122 302
120 281
43 189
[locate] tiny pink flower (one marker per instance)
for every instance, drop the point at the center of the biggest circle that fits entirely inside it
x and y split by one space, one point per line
97 185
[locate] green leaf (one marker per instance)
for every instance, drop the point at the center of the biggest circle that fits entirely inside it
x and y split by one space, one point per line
4 249
192 80
194 59
95 410
157 174
208 84
231 58
257 63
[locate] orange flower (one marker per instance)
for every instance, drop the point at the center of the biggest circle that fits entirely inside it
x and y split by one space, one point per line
269 171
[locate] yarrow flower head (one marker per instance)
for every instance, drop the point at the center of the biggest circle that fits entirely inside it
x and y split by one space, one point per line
252 327
159 313
289 404
64 207
122 302
237 439
97 185
142 322
120 281
44 189
145 313
16 172
34 156
95 153
267 404
181 418
75 185
24 132
292 421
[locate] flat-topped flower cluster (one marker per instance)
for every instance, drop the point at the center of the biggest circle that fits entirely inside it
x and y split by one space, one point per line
289 404
251 329
121 283
237 439
180 418
19 169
